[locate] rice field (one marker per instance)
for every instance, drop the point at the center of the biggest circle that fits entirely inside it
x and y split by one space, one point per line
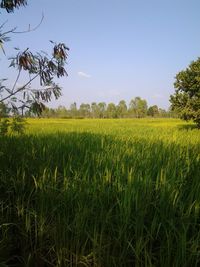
101 193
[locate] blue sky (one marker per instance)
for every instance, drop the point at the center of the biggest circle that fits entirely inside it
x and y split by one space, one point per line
119 49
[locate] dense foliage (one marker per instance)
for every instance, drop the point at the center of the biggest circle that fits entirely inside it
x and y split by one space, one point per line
186 100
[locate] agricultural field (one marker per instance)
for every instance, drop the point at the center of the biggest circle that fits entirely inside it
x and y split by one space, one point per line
101 193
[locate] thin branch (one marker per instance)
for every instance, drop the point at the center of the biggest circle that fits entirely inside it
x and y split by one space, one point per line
20 89
33 29
10 31
18 75
2 25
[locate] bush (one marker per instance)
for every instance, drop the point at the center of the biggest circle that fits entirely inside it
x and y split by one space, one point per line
16 125
4 125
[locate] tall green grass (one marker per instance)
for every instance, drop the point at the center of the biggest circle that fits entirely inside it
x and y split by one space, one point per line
101 193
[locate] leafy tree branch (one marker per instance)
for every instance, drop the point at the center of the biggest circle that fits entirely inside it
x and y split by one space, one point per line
38 66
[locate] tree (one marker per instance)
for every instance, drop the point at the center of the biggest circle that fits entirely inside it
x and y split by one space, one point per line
73 110
186 100
84 110
46 113
94 110
153 111
61 112
101 109
39 66
111 111
122 109
138 107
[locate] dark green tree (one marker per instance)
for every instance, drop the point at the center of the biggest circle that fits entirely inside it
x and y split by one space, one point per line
186 100
153 111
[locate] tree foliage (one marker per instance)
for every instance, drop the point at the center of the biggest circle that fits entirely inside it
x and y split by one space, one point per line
10 5
122 109
103 110
138 107
4 110
39 66
153 111
186 100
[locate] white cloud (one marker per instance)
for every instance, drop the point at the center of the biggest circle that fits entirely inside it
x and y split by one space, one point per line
83 74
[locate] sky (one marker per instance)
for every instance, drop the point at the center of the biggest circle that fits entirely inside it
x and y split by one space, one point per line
119 49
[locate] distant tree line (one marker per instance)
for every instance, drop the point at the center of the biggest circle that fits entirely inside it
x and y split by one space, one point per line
137 108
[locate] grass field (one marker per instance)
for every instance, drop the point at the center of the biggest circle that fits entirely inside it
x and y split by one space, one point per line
101 193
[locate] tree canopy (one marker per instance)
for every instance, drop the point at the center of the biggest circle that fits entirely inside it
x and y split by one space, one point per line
186 100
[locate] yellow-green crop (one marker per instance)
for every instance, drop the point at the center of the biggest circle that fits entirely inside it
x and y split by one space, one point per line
101 193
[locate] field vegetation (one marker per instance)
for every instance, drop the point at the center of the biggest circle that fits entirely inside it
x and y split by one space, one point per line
100 193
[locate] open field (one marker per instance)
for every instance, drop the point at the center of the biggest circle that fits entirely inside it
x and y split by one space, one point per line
101 193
